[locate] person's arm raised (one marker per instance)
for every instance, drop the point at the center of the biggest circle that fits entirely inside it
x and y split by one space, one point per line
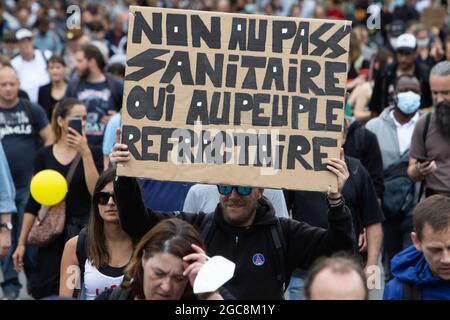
135 218
308 242
79 142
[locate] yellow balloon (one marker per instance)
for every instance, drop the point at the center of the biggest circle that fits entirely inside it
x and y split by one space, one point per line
48 187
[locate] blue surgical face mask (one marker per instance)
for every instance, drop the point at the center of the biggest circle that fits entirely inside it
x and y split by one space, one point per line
250 8
423 43
408 102
396 3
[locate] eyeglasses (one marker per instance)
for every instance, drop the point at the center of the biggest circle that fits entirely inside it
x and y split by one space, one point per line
227 190
103 197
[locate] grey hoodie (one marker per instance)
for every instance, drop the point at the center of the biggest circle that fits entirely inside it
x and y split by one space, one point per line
386 131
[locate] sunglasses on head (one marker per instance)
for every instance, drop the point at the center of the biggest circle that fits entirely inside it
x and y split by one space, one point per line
103 197
227 190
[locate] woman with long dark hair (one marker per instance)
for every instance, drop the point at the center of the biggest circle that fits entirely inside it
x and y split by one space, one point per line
101 250
70 145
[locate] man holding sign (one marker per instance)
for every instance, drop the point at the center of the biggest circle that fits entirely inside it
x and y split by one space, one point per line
242 102
240 228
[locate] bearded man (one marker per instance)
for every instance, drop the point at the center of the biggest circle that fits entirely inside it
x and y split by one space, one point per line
430 144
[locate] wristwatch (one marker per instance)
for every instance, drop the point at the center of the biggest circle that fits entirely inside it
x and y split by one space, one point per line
7 225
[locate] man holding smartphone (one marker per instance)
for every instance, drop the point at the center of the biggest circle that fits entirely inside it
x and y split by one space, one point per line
430 144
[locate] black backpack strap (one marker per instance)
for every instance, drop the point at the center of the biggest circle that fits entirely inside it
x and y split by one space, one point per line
280 247
116 95
43 56
411 291
81 250
15 55
119 293
27 107
206 228
425 129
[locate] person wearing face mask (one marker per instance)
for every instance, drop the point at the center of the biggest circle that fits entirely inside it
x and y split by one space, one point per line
406 63
429 48
423 46
394 129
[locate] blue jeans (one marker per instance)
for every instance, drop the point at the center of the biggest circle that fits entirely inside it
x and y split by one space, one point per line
295 288
10 277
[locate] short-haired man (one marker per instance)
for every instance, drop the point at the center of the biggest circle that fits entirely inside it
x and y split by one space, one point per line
99 91
336 278
30 64
422 271
242 229
383 93
22 124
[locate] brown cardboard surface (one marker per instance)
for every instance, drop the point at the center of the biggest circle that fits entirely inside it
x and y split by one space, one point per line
182 93
433 17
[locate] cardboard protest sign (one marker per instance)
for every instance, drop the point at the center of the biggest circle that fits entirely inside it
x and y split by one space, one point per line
433 17
249 100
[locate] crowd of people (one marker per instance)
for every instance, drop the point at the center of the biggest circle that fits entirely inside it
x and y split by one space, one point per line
385 233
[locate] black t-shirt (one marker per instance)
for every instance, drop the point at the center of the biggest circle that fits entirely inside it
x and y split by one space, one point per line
99 100
359 194
46 100
78 199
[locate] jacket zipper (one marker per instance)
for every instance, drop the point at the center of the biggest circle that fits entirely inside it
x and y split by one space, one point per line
236 240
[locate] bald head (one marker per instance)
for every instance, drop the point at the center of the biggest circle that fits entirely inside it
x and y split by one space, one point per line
9 87
332 285
8 71
336 278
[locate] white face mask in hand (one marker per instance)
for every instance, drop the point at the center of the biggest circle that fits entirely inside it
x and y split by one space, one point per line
214 273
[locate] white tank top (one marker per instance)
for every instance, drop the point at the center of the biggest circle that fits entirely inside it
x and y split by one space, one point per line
96 282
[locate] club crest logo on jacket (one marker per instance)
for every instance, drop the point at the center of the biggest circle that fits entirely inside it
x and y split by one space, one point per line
258 259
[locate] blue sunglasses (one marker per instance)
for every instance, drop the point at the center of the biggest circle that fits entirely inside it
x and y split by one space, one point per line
227 190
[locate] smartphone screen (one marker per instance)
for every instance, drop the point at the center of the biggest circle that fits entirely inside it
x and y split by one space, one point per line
75 123
422 160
